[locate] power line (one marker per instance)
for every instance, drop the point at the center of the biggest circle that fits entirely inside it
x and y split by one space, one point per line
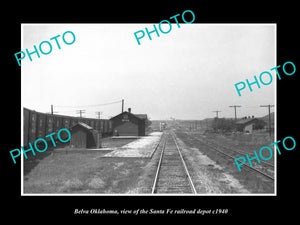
99 113
234 106
84 106
80 112
51 112
269 108
217 113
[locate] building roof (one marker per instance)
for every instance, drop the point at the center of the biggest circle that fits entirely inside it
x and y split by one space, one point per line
248 120
84 125
138 116
141 116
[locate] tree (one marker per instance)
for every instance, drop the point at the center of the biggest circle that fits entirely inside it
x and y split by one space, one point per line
260 124
222 124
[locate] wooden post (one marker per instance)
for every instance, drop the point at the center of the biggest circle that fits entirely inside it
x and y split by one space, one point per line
269 107
99 144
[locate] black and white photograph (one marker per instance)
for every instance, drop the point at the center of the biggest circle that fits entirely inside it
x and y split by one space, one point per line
182 113
144 111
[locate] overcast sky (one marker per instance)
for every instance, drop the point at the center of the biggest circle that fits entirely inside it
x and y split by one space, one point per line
185 74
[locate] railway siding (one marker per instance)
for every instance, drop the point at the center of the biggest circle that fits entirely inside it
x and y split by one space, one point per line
208 175
251 181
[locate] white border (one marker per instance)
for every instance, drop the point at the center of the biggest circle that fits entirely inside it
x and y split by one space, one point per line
188 195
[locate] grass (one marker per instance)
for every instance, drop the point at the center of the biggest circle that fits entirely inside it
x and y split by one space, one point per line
245 142
87 172
251 181
80 172
207 175
83 171
33 160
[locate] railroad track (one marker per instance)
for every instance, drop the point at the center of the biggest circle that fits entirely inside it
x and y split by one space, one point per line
172 175
218 149
238 151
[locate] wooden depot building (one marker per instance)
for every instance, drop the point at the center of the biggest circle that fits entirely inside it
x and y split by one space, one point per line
129 124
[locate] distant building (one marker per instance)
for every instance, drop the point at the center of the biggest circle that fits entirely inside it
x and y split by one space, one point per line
129 124
247 125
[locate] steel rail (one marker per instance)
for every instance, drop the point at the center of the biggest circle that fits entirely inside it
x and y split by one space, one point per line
237 151
158 167
256 170
156 147
185 167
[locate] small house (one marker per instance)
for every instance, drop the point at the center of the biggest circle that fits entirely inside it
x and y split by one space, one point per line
84 136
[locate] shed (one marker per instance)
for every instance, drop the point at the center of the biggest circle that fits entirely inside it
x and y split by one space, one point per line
84 136
129 124
248 124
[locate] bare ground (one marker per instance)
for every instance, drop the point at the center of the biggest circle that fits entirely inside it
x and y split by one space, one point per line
83 173
88 172
252 182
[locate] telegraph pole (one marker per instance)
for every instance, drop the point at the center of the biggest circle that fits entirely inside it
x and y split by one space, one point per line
51 111
80 112
234 106
122 105
269 108
99 113
217 113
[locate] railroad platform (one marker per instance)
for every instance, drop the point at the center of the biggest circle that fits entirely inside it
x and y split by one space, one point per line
143 147
125 137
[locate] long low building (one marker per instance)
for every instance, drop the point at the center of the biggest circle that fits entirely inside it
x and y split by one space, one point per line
249 124
129 124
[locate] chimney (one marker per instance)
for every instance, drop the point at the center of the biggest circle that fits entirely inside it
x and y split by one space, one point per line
129 110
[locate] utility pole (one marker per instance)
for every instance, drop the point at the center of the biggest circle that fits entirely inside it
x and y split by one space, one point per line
122 105
99 113
269 107
234 106
80 111
51 111
217 113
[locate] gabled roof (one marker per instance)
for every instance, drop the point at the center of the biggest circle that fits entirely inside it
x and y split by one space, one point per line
84 125
244 121
138 116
